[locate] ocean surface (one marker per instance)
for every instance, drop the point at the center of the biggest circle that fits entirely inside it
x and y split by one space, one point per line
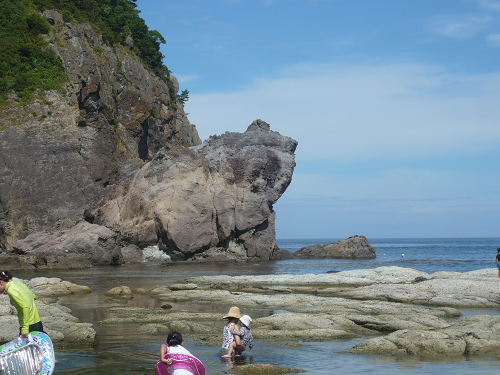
423 254
122 349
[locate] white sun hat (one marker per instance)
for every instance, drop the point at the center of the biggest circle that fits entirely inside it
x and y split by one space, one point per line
246 320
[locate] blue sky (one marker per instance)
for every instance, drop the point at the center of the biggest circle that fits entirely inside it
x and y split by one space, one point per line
395 105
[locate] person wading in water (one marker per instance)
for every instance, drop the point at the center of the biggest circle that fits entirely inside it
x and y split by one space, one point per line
23 300
497 260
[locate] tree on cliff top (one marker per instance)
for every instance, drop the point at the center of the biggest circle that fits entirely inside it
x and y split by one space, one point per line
26 66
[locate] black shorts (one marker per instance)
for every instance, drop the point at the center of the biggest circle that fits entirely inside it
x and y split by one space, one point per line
34 327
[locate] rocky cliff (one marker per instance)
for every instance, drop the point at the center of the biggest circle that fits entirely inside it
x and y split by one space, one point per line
59 153
212 202
116 149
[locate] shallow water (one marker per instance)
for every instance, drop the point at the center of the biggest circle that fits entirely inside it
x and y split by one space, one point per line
122 349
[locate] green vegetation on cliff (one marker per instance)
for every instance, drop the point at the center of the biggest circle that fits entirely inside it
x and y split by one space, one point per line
26 66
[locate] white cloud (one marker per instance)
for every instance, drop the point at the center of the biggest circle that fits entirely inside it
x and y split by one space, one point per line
459 26
357 113
493 38
490 4
186 78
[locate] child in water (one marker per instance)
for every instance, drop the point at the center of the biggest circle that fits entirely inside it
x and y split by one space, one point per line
23 300
242 338
176 360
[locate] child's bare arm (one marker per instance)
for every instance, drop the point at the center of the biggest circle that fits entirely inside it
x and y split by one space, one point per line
235 327
162 355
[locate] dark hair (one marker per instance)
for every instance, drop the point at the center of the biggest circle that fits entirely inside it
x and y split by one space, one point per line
174 338
5 275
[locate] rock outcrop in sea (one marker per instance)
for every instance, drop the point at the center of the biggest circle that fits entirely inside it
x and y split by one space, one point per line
355 247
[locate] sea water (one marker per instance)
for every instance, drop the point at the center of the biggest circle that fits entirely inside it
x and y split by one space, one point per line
423 254
122 349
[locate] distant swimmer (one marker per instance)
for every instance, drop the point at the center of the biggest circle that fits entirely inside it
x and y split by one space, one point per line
402 255
497 260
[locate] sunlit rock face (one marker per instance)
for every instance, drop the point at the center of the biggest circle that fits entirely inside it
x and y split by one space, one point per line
209 202
58 153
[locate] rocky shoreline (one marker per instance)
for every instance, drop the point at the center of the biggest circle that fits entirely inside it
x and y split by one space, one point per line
400 311
321 307
64 329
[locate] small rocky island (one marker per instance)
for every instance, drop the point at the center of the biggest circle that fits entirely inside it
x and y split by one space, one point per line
355 247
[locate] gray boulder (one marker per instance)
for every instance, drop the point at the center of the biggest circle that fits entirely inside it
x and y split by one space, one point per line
352 247
84 245
281 254
132 254
210 202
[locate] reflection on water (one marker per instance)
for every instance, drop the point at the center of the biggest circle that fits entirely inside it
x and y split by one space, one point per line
123 349
320 358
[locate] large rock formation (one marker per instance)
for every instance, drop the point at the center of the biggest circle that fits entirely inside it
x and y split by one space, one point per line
212 201
58 154
120 129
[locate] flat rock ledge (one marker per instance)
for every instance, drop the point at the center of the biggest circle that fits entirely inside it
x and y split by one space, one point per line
396 284
322 307
64 329
467 336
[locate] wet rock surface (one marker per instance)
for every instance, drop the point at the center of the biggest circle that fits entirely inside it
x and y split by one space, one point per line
470 289
120 291
466 336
